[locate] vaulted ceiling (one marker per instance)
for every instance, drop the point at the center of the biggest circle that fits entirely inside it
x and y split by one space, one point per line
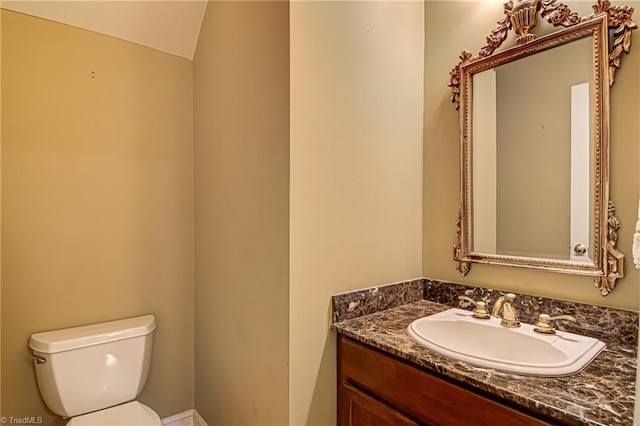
172 26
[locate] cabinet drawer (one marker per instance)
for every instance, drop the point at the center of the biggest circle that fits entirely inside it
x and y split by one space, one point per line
418 394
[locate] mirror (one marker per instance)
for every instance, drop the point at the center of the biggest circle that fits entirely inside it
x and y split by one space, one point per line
535 145
531 157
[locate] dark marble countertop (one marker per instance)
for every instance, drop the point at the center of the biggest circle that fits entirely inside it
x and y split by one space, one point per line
602 394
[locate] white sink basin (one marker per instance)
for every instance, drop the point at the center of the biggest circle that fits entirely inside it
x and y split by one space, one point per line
456 334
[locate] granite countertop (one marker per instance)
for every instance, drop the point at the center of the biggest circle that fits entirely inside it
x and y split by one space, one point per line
602 394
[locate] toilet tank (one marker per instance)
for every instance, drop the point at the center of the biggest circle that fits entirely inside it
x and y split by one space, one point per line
92 367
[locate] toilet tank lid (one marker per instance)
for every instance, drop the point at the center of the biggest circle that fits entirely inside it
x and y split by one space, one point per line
90 335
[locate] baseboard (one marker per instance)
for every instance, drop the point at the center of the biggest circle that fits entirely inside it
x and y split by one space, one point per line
187 418
198 420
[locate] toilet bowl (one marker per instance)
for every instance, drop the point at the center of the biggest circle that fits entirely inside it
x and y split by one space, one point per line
92 374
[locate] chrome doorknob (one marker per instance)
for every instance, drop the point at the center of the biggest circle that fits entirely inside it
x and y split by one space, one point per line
580 248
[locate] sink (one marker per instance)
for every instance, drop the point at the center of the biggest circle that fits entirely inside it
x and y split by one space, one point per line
485 343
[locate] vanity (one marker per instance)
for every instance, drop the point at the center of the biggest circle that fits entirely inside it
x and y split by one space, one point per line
386 377
397 393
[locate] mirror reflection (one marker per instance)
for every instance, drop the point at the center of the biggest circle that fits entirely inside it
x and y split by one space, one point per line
532 155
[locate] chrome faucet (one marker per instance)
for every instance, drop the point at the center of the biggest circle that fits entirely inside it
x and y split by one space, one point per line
505 308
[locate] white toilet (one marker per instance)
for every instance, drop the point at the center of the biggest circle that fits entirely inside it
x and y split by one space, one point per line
93 373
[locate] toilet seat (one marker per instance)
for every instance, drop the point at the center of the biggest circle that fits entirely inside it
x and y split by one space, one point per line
130 414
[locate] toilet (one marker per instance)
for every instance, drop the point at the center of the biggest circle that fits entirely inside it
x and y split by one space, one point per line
92 374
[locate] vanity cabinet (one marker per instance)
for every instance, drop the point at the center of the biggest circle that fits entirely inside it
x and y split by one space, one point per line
375 388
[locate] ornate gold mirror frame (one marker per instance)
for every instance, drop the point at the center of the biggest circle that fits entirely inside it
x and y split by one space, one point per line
521 16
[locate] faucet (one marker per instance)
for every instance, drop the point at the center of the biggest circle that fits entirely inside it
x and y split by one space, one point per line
505 308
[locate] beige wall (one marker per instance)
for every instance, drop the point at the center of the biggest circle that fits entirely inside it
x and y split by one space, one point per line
445 39
241 86
356 172
0 205
97 200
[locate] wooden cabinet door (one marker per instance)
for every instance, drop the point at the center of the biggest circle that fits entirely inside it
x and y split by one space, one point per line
364 410
412 392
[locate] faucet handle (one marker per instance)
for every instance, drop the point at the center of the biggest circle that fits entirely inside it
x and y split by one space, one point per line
480 311
544 325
